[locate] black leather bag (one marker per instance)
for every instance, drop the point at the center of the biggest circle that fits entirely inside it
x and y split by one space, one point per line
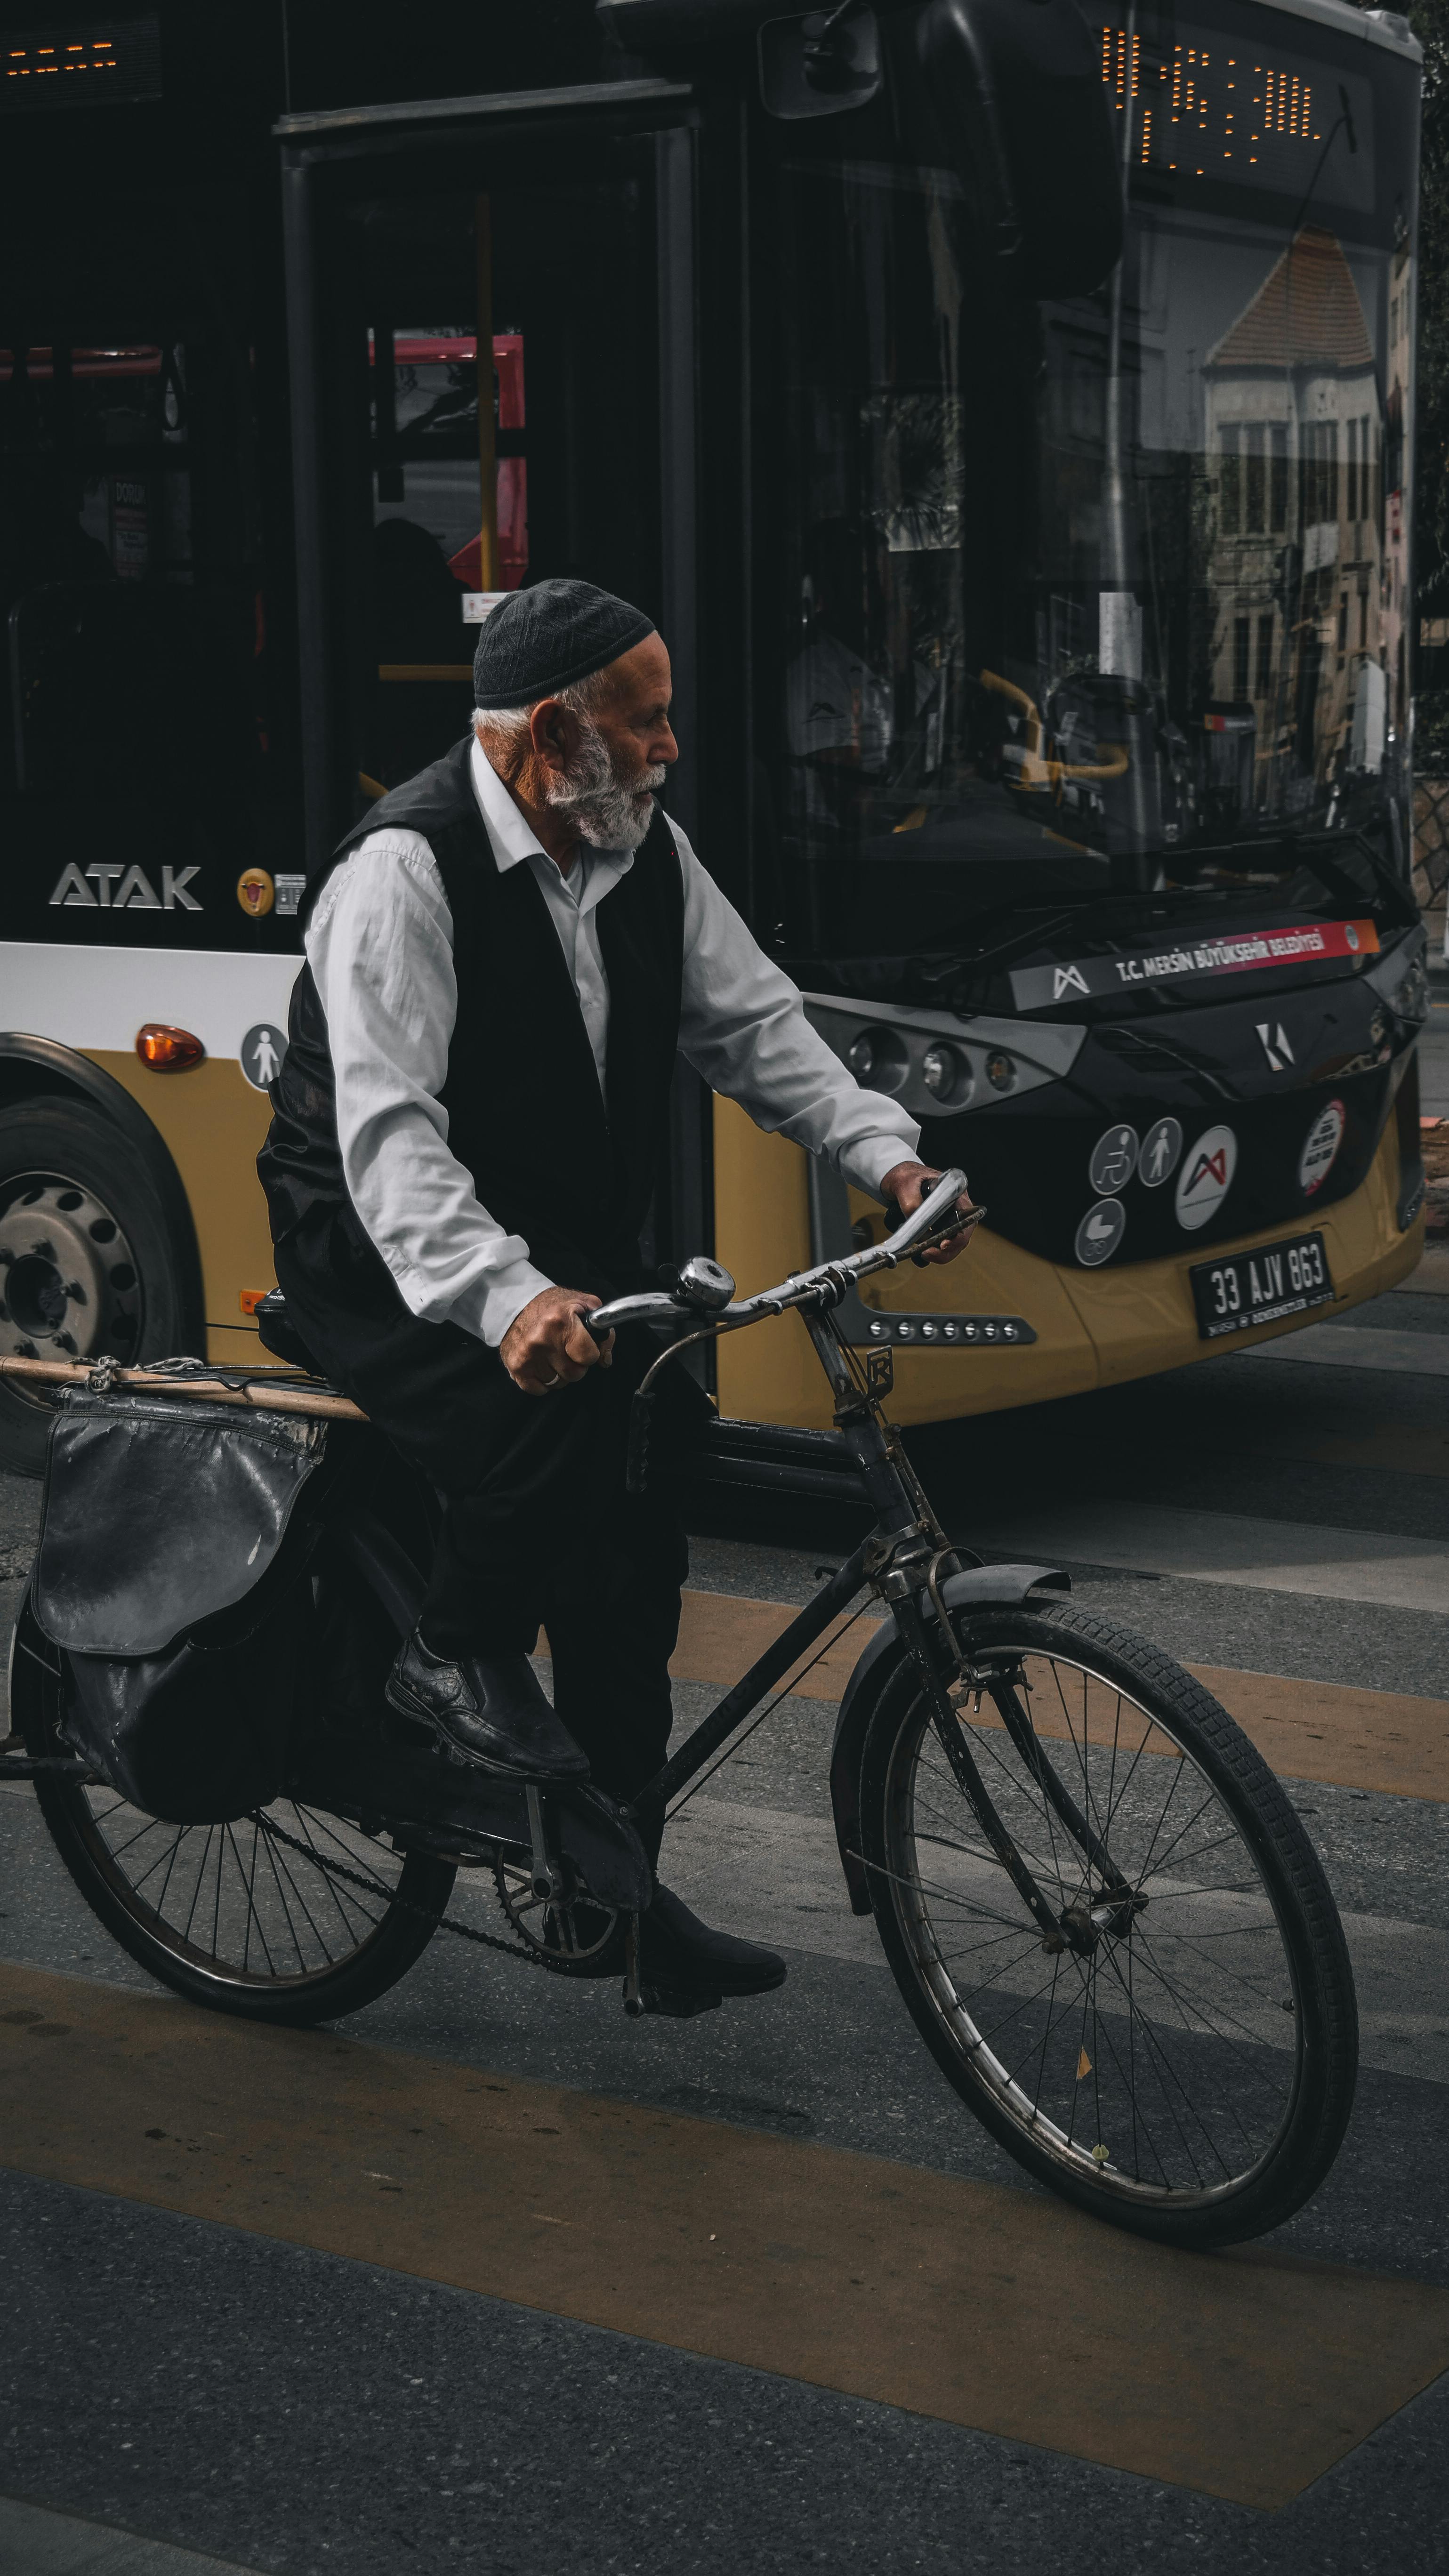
173 1541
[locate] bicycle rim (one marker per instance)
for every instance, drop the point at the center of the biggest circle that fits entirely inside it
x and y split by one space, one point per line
1160 2066
240 1905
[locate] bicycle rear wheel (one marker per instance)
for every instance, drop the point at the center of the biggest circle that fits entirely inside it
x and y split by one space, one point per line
1183 2064
293 1915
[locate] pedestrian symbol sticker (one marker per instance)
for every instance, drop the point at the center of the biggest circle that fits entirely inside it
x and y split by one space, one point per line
1161 1153
262 1052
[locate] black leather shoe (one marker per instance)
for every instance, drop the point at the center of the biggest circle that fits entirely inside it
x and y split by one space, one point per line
678 1953
489 1709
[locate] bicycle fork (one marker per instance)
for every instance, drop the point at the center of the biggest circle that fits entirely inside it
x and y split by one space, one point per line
1076 1927
906 1519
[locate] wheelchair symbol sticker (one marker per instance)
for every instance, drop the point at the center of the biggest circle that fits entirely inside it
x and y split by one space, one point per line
263 1053
1114 1159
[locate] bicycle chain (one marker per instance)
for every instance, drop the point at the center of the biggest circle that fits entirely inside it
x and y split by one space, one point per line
374 1887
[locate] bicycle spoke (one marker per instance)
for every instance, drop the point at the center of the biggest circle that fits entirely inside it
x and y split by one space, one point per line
1145 2048
282 1864
215 1897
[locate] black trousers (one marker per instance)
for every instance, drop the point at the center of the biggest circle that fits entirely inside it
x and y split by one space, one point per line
537 1527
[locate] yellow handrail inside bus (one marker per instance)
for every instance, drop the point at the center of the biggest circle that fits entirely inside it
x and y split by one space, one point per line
1036 774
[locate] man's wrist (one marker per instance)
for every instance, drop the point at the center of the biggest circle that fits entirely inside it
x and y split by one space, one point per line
872 1161
506 1293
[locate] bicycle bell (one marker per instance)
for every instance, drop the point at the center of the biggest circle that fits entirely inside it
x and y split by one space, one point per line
704 1284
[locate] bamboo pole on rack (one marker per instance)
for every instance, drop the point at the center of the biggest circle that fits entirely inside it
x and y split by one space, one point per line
257 1395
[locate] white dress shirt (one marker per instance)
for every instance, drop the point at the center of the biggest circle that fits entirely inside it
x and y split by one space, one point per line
380 946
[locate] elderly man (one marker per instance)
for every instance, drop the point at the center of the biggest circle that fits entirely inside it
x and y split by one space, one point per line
502 961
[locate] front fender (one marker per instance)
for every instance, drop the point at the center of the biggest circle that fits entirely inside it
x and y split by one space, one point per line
982 1587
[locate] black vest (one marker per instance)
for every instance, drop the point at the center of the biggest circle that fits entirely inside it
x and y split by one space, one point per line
525 1115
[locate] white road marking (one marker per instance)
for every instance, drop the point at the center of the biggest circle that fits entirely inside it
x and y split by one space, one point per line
1360 1346
55 2544
1229 1547
771 1875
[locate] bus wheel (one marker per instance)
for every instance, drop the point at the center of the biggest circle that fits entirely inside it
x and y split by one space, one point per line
87 1260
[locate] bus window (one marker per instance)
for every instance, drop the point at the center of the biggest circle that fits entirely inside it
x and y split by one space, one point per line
473 326
431 548
1053 595
426 461
133 625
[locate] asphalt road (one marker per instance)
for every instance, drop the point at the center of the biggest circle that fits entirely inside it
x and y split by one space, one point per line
216 2390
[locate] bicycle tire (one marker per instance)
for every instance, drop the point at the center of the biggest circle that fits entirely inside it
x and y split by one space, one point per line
378 1935
1299 2113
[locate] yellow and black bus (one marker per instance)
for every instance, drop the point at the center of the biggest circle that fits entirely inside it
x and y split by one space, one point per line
1005 408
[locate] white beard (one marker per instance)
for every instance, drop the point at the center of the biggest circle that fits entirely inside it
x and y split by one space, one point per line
606 811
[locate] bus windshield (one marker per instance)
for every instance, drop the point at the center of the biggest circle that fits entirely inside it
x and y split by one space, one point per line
1069 599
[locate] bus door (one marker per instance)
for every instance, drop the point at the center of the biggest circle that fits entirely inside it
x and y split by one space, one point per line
490 319
491 324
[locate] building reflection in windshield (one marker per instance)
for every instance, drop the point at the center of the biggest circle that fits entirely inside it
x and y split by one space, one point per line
1107 590
1295 439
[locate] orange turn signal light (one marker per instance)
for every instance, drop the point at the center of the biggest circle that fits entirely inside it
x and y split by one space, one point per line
250 1299
168 1050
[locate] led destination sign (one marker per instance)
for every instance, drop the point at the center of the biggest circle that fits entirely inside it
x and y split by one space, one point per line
80 63
1203 103
1234 952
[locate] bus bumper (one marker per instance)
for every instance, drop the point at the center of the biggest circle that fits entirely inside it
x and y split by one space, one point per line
1093 1327
1102 1327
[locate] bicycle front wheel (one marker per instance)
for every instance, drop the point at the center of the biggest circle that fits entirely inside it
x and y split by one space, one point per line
1180 2057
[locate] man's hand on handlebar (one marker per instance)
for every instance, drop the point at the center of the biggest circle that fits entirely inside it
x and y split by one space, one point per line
548 1345
907 1184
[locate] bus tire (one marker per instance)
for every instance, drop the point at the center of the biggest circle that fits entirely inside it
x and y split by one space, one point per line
89 1262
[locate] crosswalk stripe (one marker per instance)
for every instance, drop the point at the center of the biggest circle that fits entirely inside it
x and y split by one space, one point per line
1401 1448
774 1875
1246 2377
34 2541
1363 1347
1388 1742
1397 1572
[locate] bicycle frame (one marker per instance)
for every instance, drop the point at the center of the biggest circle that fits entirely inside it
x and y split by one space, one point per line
903 1560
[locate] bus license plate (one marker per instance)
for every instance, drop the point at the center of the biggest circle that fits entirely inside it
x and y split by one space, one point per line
1261 1287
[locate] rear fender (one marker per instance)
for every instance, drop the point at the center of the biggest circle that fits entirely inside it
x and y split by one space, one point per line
982 1587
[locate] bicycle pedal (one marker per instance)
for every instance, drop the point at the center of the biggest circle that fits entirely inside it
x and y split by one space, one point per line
677 2003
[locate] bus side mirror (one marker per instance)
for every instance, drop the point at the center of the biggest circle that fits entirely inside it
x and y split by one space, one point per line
820 65
1019 90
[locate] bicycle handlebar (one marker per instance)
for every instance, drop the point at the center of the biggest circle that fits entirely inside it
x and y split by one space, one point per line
935 1220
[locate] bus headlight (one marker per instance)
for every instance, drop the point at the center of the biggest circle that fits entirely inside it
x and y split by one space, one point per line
946 1073
878 1056
939 1063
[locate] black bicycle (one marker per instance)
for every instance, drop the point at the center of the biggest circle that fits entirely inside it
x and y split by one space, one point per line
1101 1908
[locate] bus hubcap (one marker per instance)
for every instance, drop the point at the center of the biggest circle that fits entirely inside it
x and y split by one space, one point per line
68 1283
